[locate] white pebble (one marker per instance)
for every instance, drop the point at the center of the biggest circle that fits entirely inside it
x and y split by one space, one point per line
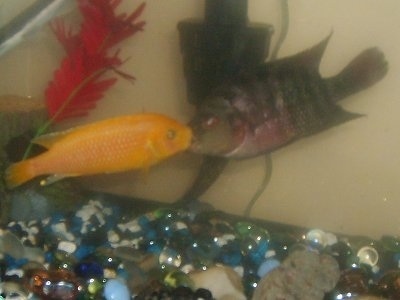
15 272
107 211
110 273
331 239
222 282
224 239
270 253
133 226
68 247
180 225
123 243
112 236
239 270
61 228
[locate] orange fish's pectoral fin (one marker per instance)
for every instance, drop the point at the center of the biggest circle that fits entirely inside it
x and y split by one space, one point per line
48 140
54 178
153 151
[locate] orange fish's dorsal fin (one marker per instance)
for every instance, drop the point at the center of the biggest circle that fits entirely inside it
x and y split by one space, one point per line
48 140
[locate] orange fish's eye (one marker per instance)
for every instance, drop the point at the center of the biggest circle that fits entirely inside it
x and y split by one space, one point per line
171 134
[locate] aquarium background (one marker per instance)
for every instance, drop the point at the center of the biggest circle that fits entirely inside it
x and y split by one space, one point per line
346 179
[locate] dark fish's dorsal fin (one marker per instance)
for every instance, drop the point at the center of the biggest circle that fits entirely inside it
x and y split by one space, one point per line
309 58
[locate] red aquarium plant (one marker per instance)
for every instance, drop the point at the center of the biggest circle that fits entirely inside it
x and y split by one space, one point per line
80 81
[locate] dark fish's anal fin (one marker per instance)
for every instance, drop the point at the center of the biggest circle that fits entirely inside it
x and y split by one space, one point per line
209 172
337 117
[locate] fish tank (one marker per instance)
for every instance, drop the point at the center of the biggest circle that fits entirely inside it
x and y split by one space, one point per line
192 149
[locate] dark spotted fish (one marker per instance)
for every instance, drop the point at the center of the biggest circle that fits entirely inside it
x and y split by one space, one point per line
280 102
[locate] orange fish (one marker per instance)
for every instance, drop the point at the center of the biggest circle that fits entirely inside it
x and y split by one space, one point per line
109 146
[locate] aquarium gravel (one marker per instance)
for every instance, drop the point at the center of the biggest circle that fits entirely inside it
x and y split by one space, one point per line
97 252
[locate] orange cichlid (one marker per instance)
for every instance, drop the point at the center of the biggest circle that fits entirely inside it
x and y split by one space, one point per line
109 146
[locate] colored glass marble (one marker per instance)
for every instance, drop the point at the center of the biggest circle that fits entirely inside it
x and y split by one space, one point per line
250 282
177 278
94 286
368 255
203 248
254 241
230 254
89 270
390 243
282 243
170 256
154 246
62 290
63 260
343 253
60 284
316 238
267 266
115 289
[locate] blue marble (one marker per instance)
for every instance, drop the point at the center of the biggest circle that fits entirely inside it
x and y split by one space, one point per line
230 254
115 289
254 241
89 270
153 246
144 221
83 251
267 266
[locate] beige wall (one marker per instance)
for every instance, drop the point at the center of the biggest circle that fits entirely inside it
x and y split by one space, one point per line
346 179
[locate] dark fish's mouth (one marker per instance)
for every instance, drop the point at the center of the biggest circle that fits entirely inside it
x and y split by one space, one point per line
195 145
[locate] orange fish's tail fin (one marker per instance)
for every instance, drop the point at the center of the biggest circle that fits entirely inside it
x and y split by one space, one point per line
18 174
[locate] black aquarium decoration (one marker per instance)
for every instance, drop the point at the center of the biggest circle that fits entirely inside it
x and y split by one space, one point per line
214 50
221 45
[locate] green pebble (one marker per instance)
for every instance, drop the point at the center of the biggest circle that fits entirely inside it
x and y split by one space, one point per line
178 278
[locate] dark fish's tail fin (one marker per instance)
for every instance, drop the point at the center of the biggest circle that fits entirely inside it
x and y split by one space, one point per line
363 71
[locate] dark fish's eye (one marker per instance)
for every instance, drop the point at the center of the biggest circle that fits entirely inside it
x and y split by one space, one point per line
210 122
171 134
